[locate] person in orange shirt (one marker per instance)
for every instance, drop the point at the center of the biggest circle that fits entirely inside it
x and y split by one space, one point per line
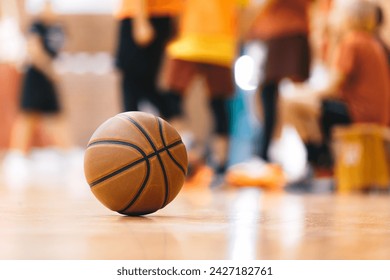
206 46
283 26
359 88
145 28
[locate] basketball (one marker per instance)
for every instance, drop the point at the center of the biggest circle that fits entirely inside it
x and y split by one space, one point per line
135 163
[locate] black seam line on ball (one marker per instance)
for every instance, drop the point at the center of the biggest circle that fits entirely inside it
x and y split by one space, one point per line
141 189
144 157
167 183
169 152
140 128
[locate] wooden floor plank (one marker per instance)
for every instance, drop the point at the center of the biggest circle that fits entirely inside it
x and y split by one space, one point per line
42 223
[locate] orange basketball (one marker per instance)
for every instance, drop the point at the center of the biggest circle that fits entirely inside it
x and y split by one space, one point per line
135 163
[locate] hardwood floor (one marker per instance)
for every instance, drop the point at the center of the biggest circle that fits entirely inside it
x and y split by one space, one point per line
59 222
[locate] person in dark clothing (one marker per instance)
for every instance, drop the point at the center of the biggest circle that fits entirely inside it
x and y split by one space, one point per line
283 26
145 27
39 94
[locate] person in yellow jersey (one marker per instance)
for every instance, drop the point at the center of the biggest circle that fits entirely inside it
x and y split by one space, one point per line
206 45
145 27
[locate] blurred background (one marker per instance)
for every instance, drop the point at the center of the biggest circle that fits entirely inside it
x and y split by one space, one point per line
85 67
88 81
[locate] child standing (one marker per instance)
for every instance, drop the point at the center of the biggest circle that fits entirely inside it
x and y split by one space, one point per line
145 28
39 96
206 46
283 25
39 109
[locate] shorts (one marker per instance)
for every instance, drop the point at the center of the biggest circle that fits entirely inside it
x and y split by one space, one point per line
143 62
180 73
38 93
287 57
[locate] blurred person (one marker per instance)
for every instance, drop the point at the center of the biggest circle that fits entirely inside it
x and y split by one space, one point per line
12 55
359 88
145 27
39 102
283 26
206 46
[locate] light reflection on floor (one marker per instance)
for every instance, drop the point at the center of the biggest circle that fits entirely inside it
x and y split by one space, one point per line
59 218
243 224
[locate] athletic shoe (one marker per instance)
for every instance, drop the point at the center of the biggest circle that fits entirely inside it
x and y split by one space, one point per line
256 173
16 170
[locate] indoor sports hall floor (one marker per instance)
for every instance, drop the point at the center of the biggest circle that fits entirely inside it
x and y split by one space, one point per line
58 218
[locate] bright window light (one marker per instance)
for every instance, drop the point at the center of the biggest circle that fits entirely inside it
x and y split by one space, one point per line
244 70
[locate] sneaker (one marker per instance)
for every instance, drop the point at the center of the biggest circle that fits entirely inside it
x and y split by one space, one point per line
16 169
256 173
202 178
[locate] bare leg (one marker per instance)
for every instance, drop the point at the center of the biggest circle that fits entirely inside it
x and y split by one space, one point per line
58 130
22 132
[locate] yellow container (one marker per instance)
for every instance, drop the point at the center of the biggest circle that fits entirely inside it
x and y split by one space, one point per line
361 157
